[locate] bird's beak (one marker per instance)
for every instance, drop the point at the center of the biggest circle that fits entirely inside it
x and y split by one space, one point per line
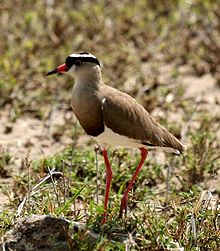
60 69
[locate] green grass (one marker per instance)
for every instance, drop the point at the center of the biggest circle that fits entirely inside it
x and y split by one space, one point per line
169 206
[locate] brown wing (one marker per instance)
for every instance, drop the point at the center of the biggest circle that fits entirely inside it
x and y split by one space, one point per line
123 115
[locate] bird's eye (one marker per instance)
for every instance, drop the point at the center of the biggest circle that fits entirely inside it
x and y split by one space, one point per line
78 62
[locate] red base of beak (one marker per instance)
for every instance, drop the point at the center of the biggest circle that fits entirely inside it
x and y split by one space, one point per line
61 68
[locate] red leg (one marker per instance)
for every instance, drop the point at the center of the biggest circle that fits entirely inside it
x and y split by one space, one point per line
124 199
108 184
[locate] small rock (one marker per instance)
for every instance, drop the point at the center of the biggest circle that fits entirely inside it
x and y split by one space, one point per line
38 232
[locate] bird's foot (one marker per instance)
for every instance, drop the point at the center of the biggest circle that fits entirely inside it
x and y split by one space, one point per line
124 202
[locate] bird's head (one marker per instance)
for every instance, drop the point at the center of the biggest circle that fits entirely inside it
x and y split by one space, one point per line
78 65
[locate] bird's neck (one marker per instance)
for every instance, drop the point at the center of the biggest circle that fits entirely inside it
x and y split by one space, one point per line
91 79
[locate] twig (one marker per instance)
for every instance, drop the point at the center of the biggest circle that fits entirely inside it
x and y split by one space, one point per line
27 164
168 183
216 214
193 225
52 172
64 183
3 246
97 174
74 141
54 186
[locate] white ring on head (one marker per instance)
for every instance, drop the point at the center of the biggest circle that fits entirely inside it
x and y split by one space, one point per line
76 55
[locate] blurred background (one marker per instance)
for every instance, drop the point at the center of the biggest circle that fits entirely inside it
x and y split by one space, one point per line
166 54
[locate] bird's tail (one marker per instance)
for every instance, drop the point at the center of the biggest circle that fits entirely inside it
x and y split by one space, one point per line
171 143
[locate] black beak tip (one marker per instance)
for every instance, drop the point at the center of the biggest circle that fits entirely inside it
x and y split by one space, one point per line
51 72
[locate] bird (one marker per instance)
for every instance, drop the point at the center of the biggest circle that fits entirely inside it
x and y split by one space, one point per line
113 118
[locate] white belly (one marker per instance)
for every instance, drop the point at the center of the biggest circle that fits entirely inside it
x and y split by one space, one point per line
108 137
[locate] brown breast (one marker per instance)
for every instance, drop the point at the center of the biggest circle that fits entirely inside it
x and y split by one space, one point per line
87 108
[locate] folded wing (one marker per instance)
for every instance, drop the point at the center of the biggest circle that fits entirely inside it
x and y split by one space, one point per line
123 115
